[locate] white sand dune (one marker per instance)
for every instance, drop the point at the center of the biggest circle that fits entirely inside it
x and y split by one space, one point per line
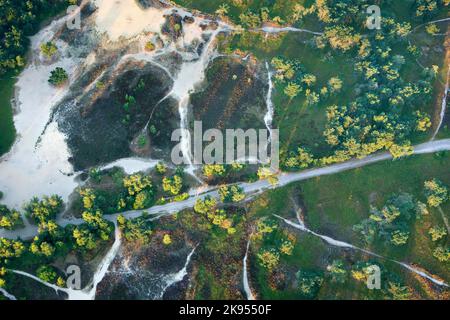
124 18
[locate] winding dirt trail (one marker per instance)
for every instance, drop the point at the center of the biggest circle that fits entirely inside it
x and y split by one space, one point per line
90 291
184 83
441 107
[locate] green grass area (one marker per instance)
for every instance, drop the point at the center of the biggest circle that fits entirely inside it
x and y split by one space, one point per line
7 82
208 287
336 203
303 125
309 259
311 254
444 132
7 130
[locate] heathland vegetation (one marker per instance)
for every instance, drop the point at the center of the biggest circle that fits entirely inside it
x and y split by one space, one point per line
341 91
